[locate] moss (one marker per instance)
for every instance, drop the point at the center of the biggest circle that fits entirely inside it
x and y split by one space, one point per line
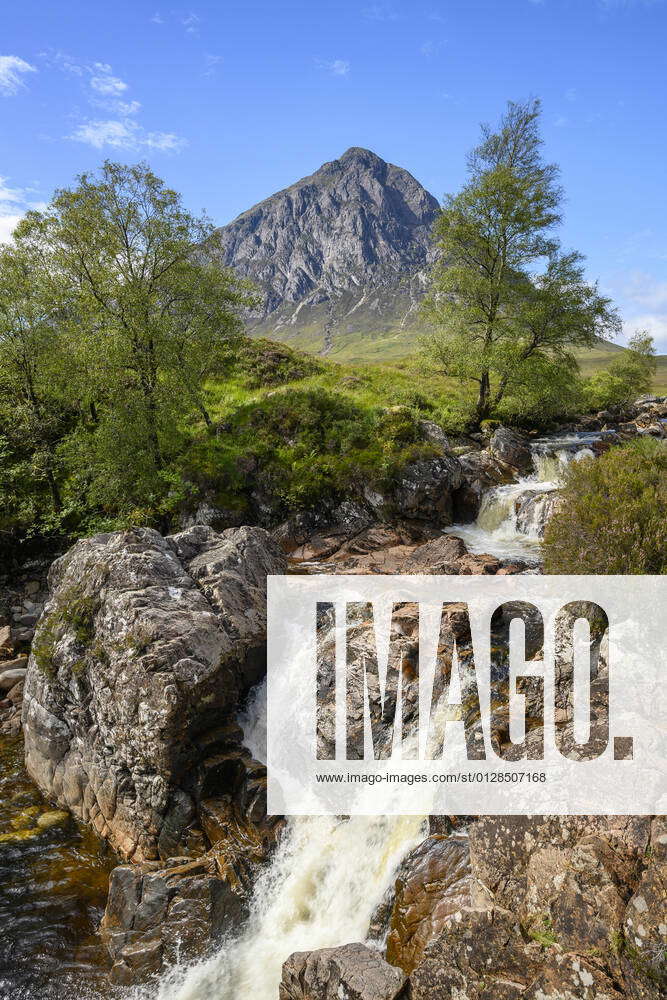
542 932
73 610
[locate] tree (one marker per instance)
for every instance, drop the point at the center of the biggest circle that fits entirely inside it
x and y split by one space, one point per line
147 310
32 411
612 515
498 323
627 377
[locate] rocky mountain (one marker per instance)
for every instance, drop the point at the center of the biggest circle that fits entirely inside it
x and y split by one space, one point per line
341 253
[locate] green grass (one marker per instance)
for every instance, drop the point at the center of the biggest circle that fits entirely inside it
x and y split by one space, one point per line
390 347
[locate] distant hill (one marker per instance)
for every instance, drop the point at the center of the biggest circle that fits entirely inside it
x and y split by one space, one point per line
341 259
341 255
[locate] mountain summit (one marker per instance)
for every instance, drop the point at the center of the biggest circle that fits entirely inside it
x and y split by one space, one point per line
339 254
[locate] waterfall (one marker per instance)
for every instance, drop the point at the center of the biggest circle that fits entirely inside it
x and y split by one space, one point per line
512 518
319 890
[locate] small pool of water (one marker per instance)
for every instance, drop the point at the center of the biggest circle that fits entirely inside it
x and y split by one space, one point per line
53 887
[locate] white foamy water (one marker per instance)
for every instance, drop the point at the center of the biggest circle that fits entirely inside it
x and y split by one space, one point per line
499 529
319 890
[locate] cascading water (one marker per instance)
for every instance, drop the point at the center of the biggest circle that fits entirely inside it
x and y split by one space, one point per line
320 890
511 520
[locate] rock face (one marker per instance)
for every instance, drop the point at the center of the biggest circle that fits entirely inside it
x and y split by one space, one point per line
155 918
352 972
139 660
555 910
344 249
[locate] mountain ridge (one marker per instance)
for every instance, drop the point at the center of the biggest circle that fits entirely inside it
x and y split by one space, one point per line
344 251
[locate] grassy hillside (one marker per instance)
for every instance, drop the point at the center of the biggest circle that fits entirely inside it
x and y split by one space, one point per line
389 347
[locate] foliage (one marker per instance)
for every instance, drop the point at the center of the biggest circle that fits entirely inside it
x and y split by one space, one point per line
626 378
112 316
497 323
613 514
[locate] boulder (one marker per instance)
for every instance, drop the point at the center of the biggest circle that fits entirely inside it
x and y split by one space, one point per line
144 649
434 434
9 678
156 917
425 490
352 972
481 472
433 885
512 449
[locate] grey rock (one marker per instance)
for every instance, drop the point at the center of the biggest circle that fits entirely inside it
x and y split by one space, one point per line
353 972
8 678
434 434
511 449
425 490
145 646
154 919
348 246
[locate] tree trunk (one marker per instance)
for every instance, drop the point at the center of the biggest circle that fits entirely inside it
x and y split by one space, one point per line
482 408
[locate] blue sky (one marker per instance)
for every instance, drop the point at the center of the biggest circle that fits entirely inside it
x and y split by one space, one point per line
230 101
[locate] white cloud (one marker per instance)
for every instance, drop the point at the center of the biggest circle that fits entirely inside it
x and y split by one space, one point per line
191 23
125 134
157 18
609 5
380 12
653 323
571 94
644 305
429 49
562 121
104 82
211 62
339 67
11 70
14 203
118 129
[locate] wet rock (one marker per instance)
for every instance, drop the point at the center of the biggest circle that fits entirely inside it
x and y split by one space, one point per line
146 644
52 819
156 917
481 471
353 972
534 511
434 884
425 490
512 449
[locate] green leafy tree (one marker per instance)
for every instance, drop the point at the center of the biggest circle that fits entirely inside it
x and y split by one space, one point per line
33 415
147 313
627 377
499 322
613 514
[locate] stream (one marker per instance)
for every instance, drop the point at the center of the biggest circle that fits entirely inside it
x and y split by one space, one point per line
511 520
324 882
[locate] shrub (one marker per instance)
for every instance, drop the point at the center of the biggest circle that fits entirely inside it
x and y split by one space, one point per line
613 514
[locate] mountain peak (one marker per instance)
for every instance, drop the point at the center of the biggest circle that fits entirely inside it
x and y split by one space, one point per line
353 236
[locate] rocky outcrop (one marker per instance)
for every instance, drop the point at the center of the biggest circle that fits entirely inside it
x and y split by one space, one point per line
511 449
353 972
157 916
144 648
547 915
346 247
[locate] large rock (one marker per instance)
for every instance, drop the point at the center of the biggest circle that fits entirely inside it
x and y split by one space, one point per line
156 917
352 972
425 490
512 449
144 648
481 472
433 886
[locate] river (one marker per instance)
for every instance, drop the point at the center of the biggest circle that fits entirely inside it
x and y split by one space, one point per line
323 883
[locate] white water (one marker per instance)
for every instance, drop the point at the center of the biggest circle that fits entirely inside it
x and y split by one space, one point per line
320 890
498 529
